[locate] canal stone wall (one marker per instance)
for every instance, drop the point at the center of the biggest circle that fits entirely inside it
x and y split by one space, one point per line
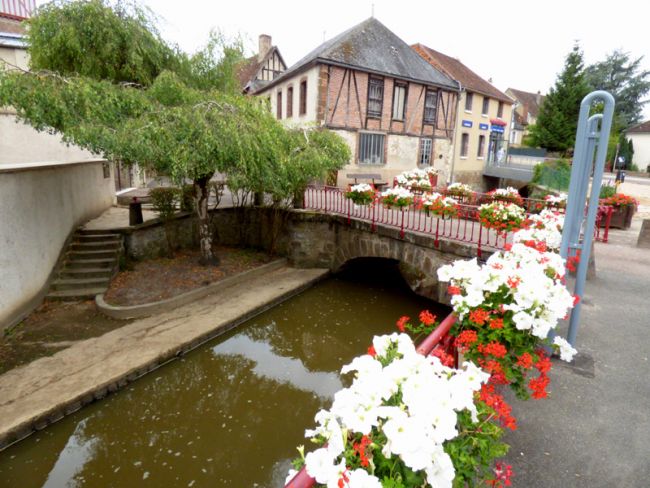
310 240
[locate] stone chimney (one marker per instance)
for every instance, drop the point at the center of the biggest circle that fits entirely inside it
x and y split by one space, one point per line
538 98
264 46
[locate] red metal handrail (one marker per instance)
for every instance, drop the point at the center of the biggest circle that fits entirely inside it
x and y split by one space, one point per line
430 343
465 227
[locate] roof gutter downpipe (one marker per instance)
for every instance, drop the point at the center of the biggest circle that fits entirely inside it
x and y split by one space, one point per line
453 135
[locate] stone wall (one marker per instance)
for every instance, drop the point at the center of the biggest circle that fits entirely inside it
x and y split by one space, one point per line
311 240
42 206
245 227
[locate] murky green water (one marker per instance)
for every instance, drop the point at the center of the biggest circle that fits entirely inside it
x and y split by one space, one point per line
229 413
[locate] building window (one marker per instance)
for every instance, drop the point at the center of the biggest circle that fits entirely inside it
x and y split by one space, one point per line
469 98
500 110
430 106
399 101
426 145
486 106
375 97
464 145
481 146
278 106
290 102
371 148
303 97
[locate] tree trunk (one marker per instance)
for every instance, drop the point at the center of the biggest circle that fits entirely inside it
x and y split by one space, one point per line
205 236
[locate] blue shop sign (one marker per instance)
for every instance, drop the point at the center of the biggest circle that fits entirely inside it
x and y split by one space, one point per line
483 126
497 128
467 123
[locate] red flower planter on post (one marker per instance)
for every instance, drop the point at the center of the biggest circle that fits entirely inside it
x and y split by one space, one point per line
624 209
622 217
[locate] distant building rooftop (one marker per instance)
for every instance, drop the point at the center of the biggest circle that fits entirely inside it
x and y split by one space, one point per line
370 46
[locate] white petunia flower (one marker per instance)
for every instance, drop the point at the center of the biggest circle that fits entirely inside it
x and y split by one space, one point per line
567 351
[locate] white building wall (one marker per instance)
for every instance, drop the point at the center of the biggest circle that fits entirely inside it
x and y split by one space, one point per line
41 205
310 117
401 155
20 143
641 143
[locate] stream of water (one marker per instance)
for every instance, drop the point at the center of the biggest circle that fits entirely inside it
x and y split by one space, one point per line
231 412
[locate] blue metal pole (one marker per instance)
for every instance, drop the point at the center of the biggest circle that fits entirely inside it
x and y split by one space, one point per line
599 166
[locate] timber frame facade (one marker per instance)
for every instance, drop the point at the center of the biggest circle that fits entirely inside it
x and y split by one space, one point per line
395 115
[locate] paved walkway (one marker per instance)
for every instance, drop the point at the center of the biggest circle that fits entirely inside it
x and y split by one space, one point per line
42 391
594 430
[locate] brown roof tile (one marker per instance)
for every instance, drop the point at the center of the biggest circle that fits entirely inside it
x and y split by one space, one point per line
247 70
642 127
459 72
528 100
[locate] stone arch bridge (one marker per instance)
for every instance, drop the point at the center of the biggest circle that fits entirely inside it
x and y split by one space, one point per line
324 240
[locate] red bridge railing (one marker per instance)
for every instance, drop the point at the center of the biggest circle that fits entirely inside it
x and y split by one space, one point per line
464 228
439 338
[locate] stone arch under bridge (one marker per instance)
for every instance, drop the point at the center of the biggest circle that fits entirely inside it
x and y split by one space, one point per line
322 240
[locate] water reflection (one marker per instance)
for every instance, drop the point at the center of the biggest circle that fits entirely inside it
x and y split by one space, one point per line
269 365
228 414
76 453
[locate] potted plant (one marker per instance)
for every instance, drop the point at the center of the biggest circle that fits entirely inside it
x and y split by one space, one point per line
460 191
437 204
556 201
508 195
503 217
406 421
624 209
361 194
417 180
396 197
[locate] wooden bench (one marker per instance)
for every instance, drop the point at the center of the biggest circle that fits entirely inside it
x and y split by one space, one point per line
368 177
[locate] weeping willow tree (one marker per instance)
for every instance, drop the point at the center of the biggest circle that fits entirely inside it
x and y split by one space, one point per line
180 115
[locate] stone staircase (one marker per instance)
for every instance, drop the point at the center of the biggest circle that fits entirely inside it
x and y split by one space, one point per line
90 262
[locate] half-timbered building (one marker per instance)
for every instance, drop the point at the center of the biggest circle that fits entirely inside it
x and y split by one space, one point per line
395 110
262 68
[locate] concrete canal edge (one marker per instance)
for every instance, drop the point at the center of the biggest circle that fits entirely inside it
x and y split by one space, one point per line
44 391
147 309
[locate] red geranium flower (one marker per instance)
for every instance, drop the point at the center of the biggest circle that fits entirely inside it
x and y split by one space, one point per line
427 318
401 323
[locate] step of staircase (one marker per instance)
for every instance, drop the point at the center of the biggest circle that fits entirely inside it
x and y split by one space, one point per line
91 263
78 283
82 273
76 294
74 254
93 232
91 260
97 237
95 245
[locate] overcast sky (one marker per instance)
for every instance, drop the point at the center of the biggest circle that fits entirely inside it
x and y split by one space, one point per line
518 44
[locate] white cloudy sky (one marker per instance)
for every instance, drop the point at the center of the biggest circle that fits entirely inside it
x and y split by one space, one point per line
519 44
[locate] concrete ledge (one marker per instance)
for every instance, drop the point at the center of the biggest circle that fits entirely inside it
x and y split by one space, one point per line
147 309
46 390
15 167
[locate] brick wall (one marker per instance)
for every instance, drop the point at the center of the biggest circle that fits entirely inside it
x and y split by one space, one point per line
343 102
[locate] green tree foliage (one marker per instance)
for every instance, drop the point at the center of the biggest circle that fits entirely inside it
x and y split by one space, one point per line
187 122
623 78
557 122
89 38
